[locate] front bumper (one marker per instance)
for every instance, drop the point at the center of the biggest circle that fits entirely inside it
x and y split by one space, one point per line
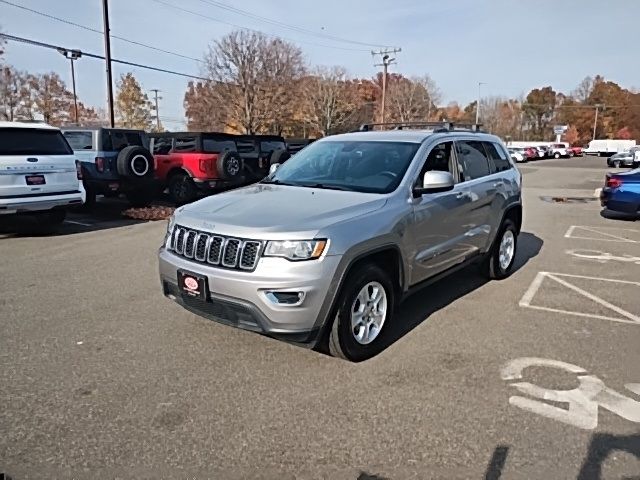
37 203
245 299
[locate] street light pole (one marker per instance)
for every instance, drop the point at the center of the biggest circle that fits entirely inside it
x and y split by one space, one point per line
478 103
73 55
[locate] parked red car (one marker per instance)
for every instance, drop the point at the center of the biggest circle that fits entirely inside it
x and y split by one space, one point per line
575 151
531 153
191 163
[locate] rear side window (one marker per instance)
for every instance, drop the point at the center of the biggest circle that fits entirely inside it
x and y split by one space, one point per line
185 144
472 161
134 139
497 156
246 146
161 146
118 141
268 146
79 140
33 141
211 145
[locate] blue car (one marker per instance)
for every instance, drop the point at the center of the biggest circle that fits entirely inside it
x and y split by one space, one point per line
114 161
621 192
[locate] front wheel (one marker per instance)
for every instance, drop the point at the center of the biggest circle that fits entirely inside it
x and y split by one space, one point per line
365 309
556 156
499 261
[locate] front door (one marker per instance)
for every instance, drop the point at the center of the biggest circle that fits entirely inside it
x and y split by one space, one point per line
438 228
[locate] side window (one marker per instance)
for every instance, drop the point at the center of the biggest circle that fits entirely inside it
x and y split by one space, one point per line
246 146
134 139
161 146
118 141
440 159
472 160
185 144
497 156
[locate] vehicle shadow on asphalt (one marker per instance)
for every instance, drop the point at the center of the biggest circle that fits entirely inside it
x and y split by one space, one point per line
601 447
417 308
107 213
625 217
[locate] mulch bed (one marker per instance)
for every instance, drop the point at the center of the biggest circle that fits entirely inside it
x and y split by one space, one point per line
155 212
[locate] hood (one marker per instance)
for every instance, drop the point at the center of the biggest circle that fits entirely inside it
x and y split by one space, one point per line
269 211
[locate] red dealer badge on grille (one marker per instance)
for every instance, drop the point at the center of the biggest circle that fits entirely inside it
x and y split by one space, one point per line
191 283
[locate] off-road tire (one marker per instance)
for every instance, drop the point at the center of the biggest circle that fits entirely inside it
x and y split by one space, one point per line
229 165
342 343
135 162
182 189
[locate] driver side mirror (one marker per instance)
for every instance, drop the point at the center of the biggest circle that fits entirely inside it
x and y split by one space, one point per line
273 168
435 182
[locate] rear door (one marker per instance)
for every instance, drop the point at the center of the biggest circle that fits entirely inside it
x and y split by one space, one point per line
480 185
36 161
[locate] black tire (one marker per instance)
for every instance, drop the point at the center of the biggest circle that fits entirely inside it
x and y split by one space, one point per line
556 155
229 165
135 162
182 189
491 267
342 342
279 156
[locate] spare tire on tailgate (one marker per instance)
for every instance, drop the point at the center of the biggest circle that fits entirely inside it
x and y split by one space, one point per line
279 155
135 162
229 165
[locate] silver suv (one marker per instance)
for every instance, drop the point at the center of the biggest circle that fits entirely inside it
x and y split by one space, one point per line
330 242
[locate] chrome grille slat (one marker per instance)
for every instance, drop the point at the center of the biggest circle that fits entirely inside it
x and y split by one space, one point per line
206 247
232 248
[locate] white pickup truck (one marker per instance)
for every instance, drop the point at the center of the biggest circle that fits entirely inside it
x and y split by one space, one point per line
39 174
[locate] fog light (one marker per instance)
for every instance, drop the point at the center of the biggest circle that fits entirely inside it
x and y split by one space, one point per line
286 298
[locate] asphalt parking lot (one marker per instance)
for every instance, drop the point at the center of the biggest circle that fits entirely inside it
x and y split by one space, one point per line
535 376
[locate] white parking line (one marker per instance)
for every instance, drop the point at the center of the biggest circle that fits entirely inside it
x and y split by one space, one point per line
602 257
73 222
527 298
597 230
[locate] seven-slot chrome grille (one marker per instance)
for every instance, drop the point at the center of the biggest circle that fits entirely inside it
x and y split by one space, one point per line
218 250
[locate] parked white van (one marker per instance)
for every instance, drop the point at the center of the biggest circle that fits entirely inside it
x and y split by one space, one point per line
39 174
608 147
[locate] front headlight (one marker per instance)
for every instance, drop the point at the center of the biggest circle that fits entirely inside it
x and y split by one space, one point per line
168 235
295 249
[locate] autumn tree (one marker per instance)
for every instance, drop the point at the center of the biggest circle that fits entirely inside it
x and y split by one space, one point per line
14 94
256 79
539 109
50 97
133 108
411 99
502 116
330 100
202 108
571 135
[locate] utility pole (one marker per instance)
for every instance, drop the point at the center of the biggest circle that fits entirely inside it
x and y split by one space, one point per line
595 121
478 103
155 93
72 55
386 61
107 59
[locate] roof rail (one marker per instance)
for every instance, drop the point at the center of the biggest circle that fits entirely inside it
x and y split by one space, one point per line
439 127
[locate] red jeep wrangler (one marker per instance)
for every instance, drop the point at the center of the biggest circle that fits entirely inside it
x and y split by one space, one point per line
196 162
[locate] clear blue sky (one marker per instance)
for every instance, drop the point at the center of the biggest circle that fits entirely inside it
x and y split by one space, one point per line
511 45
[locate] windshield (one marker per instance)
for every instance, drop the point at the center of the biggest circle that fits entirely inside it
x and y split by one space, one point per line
79 140
373 167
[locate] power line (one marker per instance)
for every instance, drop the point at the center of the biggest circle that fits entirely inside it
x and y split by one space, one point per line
235 25
288 26
99 57
85 27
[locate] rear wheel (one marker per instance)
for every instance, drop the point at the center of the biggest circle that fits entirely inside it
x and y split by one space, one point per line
556 155
499 261
365 309
182 189
616 163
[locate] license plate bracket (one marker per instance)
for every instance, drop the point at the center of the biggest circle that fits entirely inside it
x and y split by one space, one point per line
35 179
192 285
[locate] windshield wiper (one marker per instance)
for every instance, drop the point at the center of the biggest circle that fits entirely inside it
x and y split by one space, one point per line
277 182
327 186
